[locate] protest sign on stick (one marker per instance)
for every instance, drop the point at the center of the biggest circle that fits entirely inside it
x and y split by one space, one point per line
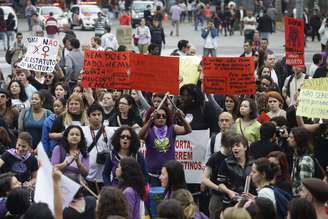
313 99
190 151
233 75
106 69
155 73
44 187
188 69
124 36
294 41
41 54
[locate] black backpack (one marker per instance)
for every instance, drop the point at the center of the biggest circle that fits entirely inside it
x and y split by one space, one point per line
282 198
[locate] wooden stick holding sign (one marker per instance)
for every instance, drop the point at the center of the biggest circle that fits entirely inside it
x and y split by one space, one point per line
173 104
87 188
163 101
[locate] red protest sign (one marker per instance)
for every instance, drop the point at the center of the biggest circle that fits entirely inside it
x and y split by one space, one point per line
106 69
294 41
155 73
229 75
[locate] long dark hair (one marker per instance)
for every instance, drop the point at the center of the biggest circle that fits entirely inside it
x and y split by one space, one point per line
132 176
22 95
82 145
263 165
176 176
134 144
301 138
252 108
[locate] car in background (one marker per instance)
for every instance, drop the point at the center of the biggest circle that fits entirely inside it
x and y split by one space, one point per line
8 9
137 11
59 15
85 16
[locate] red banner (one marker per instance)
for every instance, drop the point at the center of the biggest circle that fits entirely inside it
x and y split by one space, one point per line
229 75
155 73
105 69
294 41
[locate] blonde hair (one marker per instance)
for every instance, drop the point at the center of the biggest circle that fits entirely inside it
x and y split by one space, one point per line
236 213
68 117
184 197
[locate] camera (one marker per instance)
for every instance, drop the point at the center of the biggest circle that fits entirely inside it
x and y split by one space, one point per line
280 130
101 157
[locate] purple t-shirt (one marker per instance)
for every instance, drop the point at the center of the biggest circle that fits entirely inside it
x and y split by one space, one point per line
134 202
159 151
72 171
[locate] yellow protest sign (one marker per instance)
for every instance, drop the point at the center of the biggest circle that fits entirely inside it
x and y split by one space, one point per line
316 84
313 99
188 69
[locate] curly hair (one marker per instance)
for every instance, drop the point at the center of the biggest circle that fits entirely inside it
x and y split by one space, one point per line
112 202
132 176
82 145
134 145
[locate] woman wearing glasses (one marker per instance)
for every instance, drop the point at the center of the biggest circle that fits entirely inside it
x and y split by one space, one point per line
126 113
125 144
159 135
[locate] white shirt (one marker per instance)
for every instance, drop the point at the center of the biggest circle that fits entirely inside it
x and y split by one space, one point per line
217 146
95 170
209 42
267 193
143 35
249 26
274 76
108 40
313 67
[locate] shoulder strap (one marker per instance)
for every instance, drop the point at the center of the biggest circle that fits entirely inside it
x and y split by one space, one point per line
95 140
212 143
288 84
62 154
241 129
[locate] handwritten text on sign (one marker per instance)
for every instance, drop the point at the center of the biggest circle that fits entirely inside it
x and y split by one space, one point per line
190 150
229 75
294 41
155 73
105 69
313 99
41 54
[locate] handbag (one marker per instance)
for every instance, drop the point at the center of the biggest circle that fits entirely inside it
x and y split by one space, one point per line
135 40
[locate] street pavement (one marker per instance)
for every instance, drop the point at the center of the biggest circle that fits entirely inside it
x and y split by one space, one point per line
228 46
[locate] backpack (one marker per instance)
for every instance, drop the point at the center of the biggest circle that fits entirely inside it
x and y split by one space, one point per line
289 81
282 198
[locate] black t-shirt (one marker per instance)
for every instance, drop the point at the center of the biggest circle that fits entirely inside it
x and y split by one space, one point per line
90 209
214 163
22 168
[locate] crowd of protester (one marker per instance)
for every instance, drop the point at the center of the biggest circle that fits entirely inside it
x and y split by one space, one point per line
261 161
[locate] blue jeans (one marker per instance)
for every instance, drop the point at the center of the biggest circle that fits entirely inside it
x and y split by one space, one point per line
11 35
3 38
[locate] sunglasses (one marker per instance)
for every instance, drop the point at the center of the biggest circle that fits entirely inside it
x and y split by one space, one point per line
161 116
125 137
